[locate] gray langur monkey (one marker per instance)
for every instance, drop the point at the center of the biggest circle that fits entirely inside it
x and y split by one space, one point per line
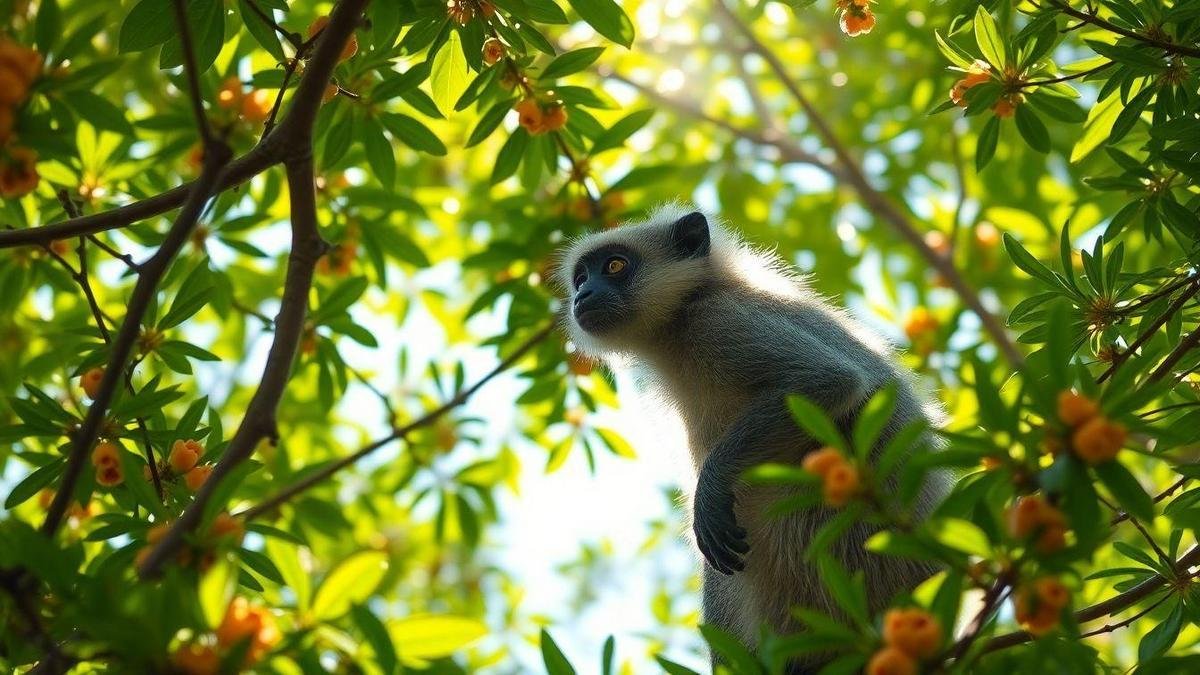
723 333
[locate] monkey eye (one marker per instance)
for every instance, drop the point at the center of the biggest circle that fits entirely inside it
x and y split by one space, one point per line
615 264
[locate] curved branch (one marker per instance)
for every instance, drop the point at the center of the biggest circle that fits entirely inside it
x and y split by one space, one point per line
400 433
293 138
1165 45
1108 607
150 273
875 200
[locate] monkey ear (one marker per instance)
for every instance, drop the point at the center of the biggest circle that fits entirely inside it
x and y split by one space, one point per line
689 235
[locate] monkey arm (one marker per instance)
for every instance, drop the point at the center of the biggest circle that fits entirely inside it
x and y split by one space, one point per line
836 386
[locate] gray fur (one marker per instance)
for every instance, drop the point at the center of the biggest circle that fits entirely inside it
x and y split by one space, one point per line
723 338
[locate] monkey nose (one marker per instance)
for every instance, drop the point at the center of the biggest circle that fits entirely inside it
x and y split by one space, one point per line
582 296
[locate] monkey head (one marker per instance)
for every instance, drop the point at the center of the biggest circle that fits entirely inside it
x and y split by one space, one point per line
624 284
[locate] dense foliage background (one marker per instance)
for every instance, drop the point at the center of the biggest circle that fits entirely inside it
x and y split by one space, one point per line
200 344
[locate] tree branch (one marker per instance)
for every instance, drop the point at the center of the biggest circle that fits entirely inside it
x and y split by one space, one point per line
1175 306
1108 607
192 73
1111 27
428 418
293 137
150 274
1185 345
875 200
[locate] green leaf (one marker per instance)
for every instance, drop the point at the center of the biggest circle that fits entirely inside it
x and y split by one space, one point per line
616 135
1126 489
873 419
510 155
489 121
960 535
206 18
33 483
556 662
814 421
571 62
285 555
413 133
350 582
434 636
377 636
1032 129
1024 260
607 18
262 32
1160 638
730 649
48 25
217 587
378 150
1097 127
449 75
985 148
987 36
148 24
673 668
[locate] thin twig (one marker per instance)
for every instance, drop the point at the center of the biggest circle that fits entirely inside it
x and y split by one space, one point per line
428 418
1067 78
1185 345
192 72
1149 332
875 200
292 38
1110 627
1086 17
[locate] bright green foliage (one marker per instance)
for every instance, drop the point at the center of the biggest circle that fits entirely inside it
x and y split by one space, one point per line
957 170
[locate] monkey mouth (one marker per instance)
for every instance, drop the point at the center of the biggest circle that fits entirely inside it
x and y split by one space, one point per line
594 320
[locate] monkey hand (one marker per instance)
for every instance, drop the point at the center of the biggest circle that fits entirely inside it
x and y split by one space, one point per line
721 540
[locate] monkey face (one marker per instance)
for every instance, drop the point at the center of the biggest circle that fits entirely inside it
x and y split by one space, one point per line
602 288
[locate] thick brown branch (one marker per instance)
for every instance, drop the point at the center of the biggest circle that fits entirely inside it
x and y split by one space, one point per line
150 274
1149 332
1185 345
874 200
259 420
428 418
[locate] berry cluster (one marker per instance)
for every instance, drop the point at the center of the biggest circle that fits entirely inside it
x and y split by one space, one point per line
19 68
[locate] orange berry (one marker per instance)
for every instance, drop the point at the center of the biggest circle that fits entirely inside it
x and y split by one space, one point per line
45 497
819 462
184 455
106 454
1039 605
856 18
555 117
18 172
256 106
938 241
196 659
841 483
229 96
60 246
195 157
493 51
1007 105
1074 409
978 73
331 91
196 477
891 661
1032 515
986 235
579 364
348 50
227 527
920 326
531 116
1098 440
989 463
242 622
108 476
19 67
913 631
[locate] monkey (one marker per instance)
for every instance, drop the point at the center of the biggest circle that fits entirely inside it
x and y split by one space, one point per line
723 333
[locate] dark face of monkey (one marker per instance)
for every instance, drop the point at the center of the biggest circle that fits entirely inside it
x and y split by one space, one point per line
630 283
602 289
